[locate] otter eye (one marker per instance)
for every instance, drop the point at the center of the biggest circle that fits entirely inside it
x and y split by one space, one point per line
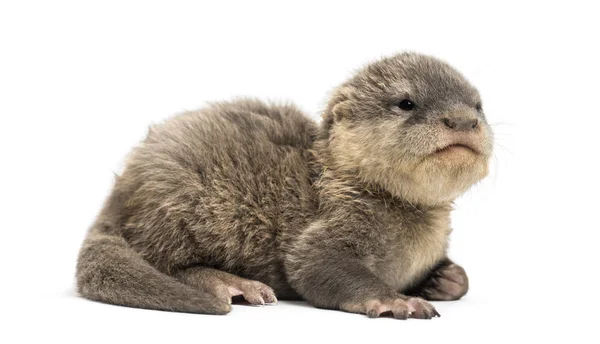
406 105
478 107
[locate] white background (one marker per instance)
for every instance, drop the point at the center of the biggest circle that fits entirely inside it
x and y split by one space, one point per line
80 82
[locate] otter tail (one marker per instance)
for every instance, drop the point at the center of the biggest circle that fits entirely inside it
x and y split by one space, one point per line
110 271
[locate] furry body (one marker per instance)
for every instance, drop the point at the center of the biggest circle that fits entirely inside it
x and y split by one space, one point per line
338 214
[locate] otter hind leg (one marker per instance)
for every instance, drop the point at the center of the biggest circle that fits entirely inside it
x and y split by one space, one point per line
226 286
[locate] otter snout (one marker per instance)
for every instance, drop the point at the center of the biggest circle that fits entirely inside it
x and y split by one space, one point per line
461 123
463 128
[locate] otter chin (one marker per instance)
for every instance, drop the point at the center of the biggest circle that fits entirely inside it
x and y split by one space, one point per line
456 148
459 155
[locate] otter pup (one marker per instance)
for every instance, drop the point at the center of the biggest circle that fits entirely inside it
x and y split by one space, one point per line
254 199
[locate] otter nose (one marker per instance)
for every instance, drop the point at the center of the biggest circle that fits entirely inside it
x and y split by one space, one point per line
461 124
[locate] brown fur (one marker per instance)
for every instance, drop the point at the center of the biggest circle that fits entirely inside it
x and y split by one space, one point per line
346 215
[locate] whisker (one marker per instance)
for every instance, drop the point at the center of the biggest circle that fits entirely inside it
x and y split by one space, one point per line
503 147
501 123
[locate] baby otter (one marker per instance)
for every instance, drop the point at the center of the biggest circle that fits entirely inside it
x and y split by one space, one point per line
254 199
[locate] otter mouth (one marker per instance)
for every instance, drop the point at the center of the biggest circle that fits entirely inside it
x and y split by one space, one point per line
456 147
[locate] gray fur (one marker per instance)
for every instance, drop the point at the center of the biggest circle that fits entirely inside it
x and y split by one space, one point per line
347 215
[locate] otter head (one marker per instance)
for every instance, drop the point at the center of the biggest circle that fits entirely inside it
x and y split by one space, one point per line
411 125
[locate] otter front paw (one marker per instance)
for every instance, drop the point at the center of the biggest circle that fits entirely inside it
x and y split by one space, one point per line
447 283
399 308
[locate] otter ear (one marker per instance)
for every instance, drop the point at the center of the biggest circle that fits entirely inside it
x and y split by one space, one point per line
341 110
335 114
339 107
341 103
